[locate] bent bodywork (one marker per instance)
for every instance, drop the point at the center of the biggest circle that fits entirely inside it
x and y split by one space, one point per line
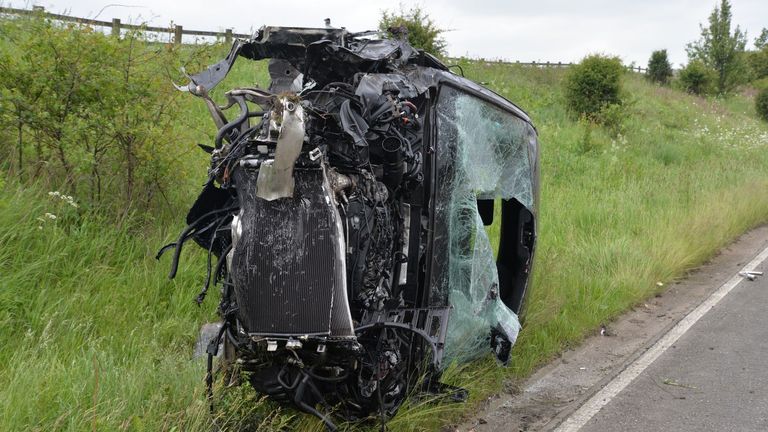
347 206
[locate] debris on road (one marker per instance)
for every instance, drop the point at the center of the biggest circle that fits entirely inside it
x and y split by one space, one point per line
605 331
750 275
672 382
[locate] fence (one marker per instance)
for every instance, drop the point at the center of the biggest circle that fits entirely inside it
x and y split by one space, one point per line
637 69
178 32
116 25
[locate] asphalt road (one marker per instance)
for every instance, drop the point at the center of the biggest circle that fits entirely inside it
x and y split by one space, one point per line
714 378
673 363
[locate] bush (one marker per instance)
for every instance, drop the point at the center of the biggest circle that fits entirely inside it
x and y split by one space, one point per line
96 115
761 104
697 78
421 31
758 63
760 84
659 69
593 84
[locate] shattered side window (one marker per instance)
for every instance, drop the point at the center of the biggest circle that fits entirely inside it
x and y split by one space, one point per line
482 152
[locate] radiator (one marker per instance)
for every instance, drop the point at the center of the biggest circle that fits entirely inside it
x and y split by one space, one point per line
288 265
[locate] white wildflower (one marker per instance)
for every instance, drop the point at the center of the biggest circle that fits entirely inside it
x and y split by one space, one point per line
66 198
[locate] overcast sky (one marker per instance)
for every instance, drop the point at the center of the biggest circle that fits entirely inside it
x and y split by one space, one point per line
531 30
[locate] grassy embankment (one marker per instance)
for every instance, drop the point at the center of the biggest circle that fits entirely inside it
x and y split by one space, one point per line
95 337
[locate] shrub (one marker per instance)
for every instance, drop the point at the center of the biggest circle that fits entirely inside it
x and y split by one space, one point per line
697 78
96 115
758 63
761 104
421 31
659 69
760 84
593 84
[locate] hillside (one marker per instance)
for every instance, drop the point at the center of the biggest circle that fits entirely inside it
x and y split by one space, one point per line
95 337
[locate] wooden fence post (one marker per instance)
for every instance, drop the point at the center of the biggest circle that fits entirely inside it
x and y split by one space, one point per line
178 31
228 36
116 27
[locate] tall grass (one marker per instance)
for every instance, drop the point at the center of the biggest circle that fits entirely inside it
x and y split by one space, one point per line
94 337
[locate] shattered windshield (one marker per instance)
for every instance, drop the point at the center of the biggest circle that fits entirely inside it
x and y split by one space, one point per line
482 153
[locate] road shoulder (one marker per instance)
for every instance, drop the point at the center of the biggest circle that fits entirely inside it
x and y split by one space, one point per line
555 391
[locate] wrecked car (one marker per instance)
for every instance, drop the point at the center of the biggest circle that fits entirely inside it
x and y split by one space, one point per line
346 208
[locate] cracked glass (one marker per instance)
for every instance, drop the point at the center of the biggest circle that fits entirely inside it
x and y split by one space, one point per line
482 152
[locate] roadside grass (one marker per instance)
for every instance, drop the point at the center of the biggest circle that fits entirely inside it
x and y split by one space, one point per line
95 336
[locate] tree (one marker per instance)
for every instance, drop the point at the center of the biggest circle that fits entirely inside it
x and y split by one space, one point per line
758 59
659 69
420 29
762 40
721 49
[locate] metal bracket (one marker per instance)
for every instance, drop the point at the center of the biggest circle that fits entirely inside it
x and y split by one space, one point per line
315 154
429 323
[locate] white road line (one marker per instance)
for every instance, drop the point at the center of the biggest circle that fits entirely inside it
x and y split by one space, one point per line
579 418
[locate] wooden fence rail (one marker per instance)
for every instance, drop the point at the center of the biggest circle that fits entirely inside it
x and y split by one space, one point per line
637 69
116 25
178 32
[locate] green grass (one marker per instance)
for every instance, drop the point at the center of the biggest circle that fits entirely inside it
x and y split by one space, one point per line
94 333
92 330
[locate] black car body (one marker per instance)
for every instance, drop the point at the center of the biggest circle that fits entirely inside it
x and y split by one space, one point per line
346 206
